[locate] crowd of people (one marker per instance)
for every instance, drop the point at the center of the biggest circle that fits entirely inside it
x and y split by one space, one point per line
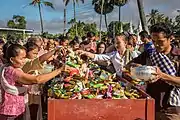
21 79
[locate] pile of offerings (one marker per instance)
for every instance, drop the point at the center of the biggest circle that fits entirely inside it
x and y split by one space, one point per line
86 80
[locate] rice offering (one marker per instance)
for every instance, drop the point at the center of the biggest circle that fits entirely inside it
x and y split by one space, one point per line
144 72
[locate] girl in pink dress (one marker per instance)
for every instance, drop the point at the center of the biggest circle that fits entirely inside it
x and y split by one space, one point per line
12 79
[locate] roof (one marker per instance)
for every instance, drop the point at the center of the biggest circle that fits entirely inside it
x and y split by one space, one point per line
14 29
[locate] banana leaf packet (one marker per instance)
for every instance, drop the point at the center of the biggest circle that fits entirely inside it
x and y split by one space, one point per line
91 96
72 64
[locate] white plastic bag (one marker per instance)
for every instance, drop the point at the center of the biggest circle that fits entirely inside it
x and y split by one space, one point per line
145 73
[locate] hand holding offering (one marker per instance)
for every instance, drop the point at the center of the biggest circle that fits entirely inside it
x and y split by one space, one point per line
145 73
80 52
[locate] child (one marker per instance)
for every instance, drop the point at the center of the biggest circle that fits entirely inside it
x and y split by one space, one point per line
34 66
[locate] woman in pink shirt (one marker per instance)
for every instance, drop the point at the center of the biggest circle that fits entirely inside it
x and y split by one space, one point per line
12 79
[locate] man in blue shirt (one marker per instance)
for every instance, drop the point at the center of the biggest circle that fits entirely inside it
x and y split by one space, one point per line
148 43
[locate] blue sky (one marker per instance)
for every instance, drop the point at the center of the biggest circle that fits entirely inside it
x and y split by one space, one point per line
53 19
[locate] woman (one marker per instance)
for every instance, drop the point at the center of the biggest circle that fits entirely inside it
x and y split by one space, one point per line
131 46
74 44
12 80
118 58
101 48
64 41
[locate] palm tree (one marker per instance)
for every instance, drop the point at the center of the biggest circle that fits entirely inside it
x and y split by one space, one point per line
153 16
107 8
103 7
64 20
39 3
161 18
142 15
74 6
119 3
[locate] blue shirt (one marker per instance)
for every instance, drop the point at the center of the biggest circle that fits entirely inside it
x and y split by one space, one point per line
149 47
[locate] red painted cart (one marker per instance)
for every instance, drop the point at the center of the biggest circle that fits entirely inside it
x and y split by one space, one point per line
105 109
123 109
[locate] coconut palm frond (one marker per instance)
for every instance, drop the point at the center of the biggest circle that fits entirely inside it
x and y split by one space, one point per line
49 4
33 3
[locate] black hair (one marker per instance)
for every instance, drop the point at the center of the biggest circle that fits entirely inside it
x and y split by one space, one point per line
84 43
57 39
83 38
30 46
98 45
13 51
144 34
5 46
125 34
90 34
63 39
74 42
161 27
131 35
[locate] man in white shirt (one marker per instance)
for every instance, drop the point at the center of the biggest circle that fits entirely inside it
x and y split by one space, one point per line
119 58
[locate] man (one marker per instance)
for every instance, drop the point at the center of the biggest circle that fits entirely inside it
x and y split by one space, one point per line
165 92
119 58
147 42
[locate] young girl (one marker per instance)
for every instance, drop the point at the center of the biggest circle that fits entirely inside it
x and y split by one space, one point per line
34 66
34 93
12 80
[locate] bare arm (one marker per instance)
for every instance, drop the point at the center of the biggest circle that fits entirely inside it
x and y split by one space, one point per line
169 78
88 54
28 79
46 56
97 57
91 55
166 77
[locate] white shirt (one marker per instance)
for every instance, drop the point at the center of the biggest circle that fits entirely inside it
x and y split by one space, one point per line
117 60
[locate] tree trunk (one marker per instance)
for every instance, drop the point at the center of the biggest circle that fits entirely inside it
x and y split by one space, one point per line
74 5
119 13
64 20
41 19
105 18
102 5
142 15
